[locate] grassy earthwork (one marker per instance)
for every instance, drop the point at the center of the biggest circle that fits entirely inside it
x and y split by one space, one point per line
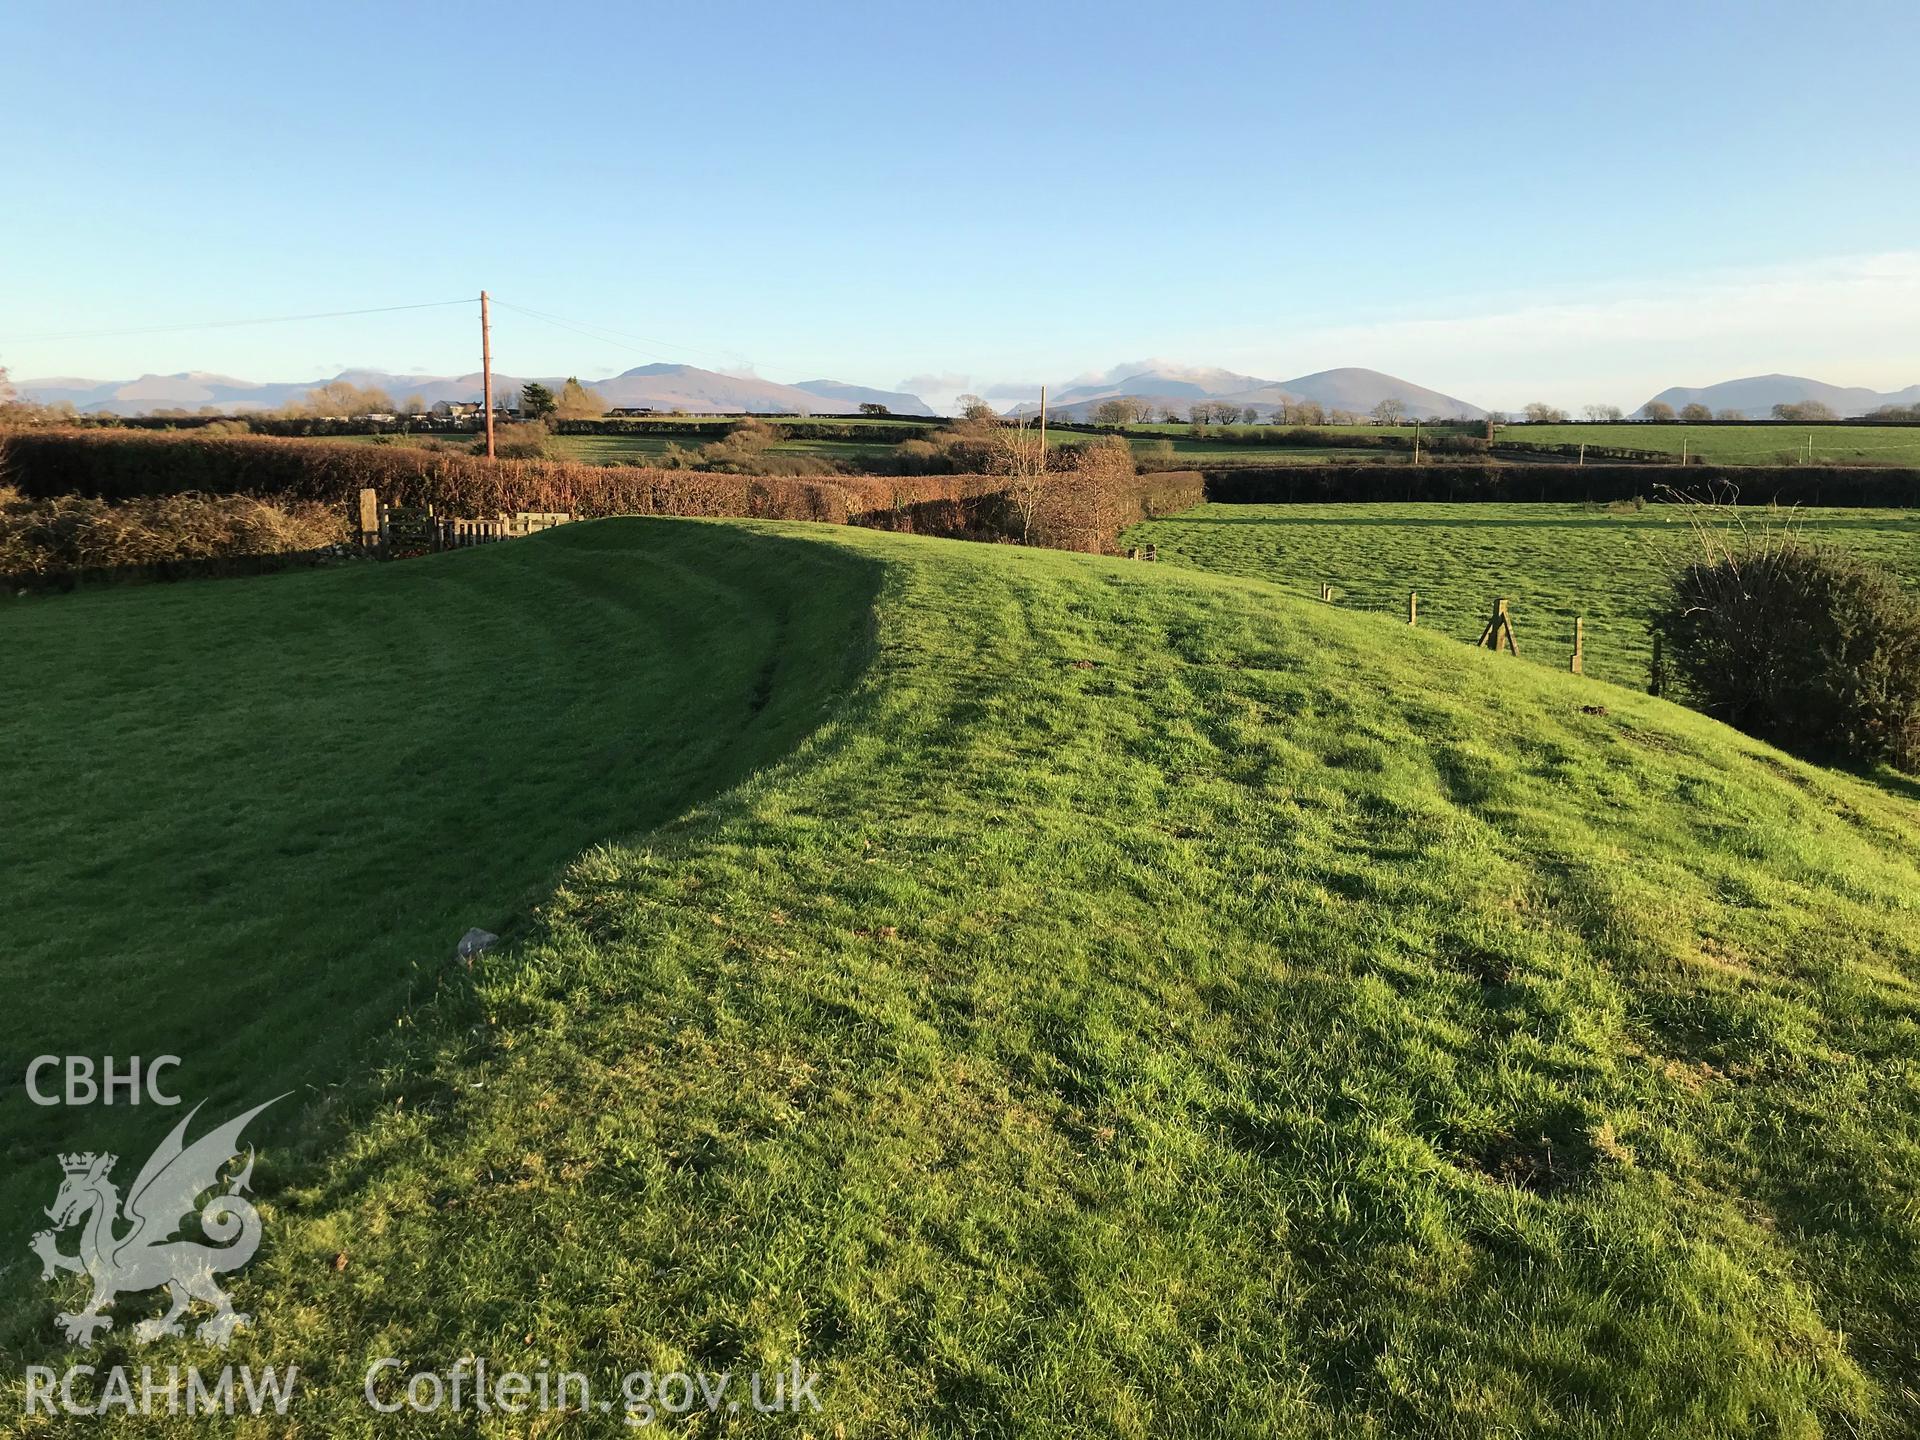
1046 994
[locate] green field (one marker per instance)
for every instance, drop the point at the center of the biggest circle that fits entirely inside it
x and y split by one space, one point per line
639 449
1126 1000
1553 562
624 449
632 449
1717 444
1741 444
1180 427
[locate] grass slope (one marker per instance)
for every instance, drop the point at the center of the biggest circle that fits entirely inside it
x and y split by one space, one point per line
1553 562
243 820
1154 1005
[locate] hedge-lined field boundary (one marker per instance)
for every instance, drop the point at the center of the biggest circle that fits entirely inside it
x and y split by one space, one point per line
117 466
126 466
1362 482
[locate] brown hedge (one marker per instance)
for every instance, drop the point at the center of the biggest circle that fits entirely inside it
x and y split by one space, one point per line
124 465
113 465
58 541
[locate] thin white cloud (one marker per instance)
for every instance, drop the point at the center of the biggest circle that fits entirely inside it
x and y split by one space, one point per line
1848 321
937 383
1012 390
1156 364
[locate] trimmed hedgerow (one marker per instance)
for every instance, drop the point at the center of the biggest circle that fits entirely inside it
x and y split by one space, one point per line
110 465
1563 484
121 465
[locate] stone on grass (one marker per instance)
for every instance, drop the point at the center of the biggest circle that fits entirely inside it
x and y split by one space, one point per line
475 942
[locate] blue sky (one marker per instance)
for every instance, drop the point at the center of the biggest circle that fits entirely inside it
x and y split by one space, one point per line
1502 201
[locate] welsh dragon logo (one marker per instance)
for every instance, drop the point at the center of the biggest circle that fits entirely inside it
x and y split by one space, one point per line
148 1255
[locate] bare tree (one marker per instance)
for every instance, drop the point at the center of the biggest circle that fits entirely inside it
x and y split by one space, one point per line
1541 413
343 397
1390 411
1694 413
1600 413
577 402
1657 410
1085 508
1017 455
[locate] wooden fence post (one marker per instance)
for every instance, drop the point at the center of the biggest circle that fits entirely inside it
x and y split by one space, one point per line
369 521
1326 591
1413 607
1657 673
1579 645
1499 632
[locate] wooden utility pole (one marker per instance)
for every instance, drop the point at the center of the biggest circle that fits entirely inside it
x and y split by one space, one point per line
1043 429
486 371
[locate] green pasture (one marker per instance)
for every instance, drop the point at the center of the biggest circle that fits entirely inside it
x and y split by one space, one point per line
1553 562
1741 444
1716 444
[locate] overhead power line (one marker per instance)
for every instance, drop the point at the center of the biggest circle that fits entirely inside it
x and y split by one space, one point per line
645 345
232 324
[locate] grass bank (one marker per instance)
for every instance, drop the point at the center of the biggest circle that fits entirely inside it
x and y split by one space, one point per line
1146 1004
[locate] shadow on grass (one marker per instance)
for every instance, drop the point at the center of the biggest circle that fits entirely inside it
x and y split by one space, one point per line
249 819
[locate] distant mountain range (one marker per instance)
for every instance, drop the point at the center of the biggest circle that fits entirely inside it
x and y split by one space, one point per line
659 387
1160 384
1177 387
1755 396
